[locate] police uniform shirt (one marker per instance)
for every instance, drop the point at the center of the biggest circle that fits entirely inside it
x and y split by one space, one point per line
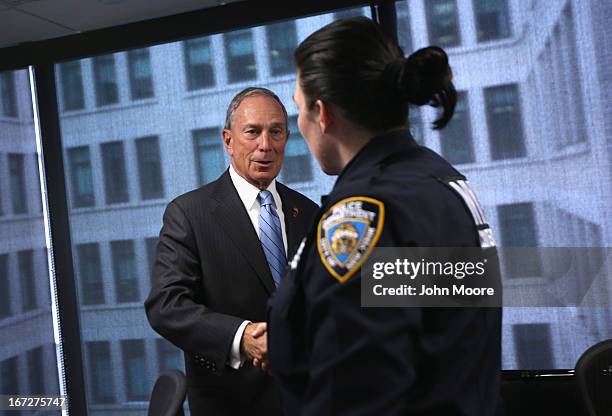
333 357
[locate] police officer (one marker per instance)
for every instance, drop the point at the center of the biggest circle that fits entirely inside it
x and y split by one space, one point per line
330 355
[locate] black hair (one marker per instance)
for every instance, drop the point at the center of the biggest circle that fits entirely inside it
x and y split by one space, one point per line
354 65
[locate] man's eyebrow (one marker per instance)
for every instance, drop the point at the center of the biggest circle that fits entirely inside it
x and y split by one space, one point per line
259 126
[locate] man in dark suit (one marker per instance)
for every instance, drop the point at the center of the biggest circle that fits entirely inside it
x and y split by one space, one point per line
222 252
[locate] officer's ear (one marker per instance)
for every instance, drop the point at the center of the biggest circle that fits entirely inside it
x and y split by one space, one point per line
326 115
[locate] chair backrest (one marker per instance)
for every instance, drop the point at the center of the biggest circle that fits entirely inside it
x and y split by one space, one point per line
594 377
168 394
540 392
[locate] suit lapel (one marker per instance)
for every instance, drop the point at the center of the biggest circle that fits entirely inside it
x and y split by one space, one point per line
294 219
235 221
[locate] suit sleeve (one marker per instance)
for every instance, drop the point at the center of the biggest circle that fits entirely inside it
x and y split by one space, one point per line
173 308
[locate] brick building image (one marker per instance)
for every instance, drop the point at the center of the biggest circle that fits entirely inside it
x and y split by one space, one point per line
532 131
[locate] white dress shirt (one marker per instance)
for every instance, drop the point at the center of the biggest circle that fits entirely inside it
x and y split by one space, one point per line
248 195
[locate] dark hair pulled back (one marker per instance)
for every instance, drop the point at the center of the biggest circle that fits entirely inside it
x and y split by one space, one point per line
354 65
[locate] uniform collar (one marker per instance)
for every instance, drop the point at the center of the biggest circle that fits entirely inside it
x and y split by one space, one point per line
376 150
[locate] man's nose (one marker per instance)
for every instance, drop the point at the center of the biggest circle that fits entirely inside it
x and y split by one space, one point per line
265 141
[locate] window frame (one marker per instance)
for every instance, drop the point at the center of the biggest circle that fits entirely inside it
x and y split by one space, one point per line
132 57
244 59
302 159
88 296
80 200
191 69
40 54
477 23
6 309
27 280
8 91
18 183
429 18
203 140
271 39
93 361
150 167
497 150
128 352
64 81
113 193
103 86
127 283
464 131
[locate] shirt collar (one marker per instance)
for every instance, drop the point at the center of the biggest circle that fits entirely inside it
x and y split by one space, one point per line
248 192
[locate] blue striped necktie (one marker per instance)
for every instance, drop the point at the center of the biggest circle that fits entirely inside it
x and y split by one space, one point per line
271 236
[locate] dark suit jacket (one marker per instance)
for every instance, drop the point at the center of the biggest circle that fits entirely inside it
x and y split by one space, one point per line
211 274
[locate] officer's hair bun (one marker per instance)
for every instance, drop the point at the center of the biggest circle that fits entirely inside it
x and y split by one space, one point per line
424 78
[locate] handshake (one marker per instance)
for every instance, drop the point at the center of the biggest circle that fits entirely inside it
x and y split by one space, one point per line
254 344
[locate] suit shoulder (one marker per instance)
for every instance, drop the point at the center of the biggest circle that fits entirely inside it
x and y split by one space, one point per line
298 198
194 198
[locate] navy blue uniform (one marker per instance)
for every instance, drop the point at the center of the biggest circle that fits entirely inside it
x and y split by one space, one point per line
333 357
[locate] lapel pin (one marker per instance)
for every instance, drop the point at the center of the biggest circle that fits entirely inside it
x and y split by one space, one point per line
295 212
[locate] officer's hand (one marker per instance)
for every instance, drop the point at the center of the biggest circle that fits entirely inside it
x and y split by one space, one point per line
260 332
261 329
263 364
254 344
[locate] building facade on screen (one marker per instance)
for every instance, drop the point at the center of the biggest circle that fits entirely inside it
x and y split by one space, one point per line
532 132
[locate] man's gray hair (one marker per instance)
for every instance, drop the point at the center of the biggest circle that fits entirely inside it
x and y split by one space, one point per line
251 92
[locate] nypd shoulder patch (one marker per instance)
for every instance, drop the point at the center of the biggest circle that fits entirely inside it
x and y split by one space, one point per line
347 233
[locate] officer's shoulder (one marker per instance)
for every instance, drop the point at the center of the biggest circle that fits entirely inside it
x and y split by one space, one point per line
414 177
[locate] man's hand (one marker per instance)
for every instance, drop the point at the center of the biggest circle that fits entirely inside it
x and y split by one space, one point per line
254 343
260 332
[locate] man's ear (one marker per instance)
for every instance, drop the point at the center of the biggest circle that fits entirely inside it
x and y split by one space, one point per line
227 141
326 116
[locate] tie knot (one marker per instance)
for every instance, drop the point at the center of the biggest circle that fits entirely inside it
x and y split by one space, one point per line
265 198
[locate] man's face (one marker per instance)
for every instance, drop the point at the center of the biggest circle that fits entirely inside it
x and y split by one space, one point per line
256 142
